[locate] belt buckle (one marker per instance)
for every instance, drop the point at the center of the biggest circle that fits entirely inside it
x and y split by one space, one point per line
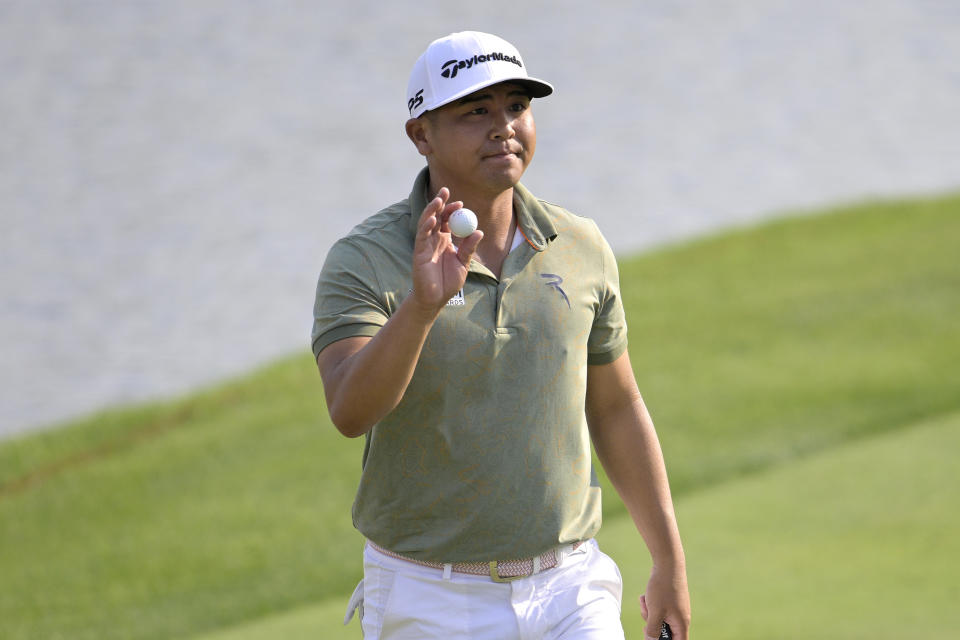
495 575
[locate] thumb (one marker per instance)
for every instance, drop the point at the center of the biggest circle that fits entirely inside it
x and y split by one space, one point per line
468 247
653 631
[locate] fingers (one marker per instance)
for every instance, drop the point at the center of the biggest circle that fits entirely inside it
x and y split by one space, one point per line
445 214
468 247
659 627
435 219
436 214
653 629
430 218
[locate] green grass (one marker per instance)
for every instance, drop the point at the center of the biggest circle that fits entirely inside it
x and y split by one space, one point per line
856 542
797 335
224 506
859 541
802 376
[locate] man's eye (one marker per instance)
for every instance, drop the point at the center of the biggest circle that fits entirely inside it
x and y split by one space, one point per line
479 111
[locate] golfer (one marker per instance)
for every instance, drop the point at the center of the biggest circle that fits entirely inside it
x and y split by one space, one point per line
479 370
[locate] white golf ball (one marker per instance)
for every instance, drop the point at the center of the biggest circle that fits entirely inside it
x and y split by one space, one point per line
462 222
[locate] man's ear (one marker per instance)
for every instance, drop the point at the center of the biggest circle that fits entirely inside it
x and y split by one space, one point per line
417 132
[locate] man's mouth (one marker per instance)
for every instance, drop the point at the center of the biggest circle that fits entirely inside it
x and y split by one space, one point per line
505 153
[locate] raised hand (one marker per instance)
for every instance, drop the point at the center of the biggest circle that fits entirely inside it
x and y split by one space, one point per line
439 266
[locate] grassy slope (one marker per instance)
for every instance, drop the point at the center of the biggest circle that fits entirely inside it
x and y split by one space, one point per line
752 348
797 335
226 506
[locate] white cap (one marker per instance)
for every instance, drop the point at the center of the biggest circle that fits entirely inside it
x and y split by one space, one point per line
464 62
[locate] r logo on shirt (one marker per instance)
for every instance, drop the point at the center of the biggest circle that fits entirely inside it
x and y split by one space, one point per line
554 281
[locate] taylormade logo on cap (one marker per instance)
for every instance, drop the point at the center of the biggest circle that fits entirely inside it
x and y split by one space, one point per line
450 67
462 63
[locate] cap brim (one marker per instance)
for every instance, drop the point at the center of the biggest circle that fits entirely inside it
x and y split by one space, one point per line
537 88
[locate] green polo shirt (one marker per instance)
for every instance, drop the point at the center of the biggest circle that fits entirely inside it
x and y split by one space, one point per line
487 456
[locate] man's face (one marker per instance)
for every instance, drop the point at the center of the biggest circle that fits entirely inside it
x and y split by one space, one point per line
483 142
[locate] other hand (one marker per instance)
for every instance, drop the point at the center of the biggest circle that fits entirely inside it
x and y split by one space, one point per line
667 600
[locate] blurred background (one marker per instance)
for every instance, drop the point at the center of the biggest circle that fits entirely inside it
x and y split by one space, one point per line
172 174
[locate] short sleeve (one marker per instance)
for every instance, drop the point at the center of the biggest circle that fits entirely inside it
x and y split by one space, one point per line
608 337
349 301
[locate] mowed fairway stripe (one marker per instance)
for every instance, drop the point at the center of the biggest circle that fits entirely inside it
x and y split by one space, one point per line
324 620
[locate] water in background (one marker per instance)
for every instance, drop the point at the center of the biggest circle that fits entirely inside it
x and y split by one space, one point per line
172 172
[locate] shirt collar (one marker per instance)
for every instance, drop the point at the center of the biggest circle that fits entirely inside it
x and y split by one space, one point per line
535 222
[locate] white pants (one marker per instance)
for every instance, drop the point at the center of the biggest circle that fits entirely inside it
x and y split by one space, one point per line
577 600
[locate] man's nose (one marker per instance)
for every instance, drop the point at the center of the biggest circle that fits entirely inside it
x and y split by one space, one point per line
503 126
